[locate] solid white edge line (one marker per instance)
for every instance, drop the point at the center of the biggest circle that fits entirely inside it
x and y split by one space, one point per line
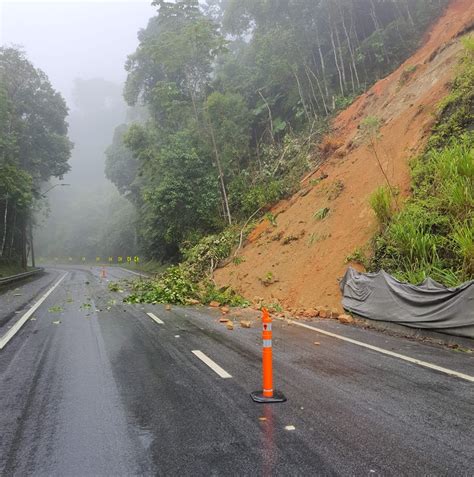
155 318
135 273
17 326
213 365
425 364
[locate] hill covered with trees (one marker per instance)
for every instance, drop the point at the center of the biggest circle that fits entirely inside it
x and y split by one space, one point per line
238 93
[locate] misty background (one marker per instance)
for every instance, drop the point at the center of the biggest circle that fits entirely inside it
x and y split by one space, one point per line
82 47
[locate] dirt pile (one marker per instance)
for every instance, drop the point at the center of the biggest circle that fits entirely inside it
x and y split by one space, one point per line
298 259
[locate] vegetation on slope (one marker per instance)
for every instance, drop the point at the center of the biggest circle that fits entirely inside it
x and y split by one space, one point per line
238 93
433 234
191 280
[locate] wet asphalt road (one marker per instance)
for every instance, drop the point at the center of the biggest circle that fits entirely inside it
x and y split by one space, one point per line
90 386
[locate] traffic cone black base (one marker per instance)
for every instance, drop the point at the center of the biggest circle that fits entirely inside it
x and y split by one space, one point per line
258 396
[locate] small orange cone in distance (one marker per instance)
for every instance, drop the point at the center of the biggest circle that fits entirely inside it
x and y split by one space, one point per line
267 394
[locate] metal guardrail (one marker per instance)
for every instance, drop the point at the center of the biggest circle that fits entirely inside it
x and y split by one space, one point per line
20 276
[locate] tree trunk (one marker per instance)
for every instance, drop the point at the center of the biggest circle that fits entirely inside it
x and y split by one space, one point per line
326 109
341 85
410 18
315 97
5 223
323 64
349 46
24 255
12 234
270 118
341 58
33 264
300 91
377 28
221 172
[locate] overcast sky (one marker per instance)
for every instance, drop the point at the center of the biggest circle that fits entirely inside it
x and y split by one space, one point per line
70 39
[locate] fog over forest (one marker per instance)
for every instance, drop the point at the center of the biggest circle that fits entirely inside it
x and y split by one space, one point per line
82 46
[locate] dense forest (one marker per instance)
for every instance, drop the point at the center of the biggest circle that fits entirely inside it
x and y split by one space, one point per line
89 218
237 93
34 147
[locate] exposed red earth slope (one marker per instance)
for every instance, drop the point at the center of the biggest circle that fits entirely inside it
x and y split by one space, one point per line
299 262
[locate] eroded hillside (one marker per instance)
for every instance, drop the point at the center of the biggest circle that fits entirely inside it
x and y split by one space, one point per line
299 258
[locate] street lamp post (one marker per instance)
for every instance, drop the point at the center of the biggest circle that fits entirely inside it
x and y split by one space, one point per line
52 187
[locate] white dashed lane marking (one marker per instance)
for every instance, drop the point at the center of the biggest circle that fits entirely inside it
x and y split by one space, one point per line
155 319
212 364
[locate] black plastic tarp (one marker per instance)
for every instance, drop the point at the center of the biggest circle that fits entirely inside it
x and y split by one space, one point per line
429 305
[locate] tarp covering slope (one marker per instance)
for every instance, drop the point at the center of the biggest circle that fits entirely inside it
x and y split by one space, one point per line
429 305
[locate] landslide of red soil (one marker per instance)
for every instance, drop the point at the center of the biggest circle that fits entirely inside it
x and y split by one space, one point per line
299 262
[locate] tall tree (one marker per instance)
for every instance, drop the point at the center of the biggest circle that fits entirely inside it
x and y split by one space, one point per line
33 143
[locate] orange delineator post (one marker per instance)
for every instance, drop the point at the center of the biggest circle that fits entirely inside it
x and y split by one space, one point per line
267 354
267 394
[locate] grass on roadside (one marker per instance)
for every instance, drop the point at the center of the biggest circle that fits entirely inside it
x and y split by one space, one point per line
7 270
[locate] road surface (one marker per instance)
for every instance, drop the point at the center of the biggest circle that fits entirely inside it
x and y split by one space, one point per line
92 386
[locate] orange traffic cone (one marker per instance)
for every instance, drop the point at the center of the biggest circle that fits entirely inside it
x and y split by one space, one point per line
267 394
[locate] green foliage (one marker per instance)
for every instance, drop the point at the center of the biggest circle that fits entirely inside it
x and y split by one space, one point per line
268 279
370 126
33 147
271 218
456 111
433 235
16 186
238 260
55 309
191 279
238 92
358 256
114 286
407 73
225 295
230 118
206 255
175 285
37 116
321 213
121 167
463 238
260 195
382 202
